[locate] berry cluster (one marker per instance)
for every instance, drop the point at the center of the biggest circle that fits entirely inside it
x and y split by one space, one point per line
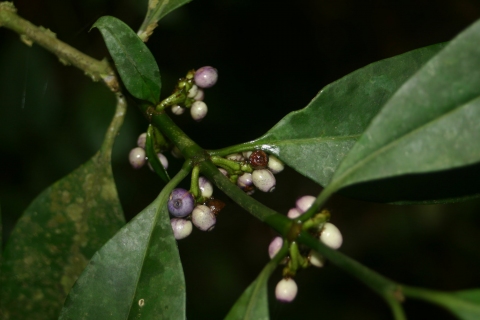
328 233
186 209
137 156
251 170
193 85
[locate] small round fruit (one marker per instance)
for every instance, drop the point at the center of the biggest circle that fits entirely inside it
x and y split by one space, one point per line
181 228
316 259
141 140
203 218
235 157
198 110
245 180
264 180
163 160
293 213
200 95
258 159
275 246
275 165
192 92
205 186
304 203
181 202
176 109
206 77
331 236
286 290
137 158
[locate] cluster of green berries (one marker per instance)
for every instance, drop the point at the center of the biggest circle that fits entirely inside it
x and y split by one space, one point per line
194 84
286 290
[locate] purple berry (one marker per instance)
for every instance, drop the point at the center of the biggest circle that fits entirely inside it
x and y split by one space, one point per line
198 110
181 203
137 157
206 77
203 218
181 228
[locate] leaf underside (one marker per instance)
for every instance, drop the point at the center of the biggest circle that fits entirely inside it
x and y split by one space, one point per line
54 239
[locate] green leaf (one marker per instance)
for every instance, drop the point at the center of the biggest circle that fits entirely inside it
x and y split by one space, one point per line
431 123
152 155
157 9
58 233
137 274
135 63
253 303
464 304
315 139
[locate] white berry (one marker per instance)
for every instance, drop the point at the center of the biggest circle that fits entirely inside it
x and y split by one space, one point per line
275 165
137 157
176 109
198 110
304 203
205 186
245 180
163 160
286 290
331 236
316 259
193 91
203 218
264 180
235 157
181 228
200 95
141 140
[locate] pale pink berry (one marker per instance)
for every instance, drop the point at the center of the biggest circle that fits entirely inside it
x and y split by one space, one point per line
293 213
264 180
181 228
286 290
206 77
137 158
141 140
275 246
304 203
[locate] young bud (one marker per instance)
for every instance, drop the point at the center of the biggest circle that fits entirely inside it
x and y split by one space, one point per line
235 157
181 202
181 228
275 165
205 186
206 77
264 180
304 203
286 290
137 158
203 218
198 110
141 140
331 236
275 246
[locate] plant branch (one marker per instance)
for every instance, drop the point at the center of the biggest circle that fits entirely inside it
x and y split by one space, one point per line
68 55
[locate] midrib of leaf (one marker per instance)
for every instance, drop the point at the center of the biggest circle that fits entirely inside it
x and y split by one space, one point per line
132 61
337 182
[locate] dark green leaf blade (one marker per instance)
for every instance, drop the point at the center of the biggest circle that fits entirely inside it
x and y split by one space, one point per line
152 155
253 303
315 139
157 9
134 61
136 274
432 123
54 239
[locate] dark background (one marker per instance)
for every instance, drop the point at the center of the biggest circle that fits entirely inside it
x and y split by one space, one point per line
272 57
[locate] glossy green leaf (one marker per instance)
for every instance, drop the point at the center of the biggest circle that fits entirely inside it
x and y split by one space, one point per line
137 274
431 123
152 155
253 303
134 61
157 9
58 233
315 139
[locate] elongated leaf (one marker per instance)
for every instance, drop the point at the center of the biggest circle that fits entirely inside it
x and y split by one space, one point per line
157 9
431 123
253 303
135 63
58 233
315 139
137 274
152 155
